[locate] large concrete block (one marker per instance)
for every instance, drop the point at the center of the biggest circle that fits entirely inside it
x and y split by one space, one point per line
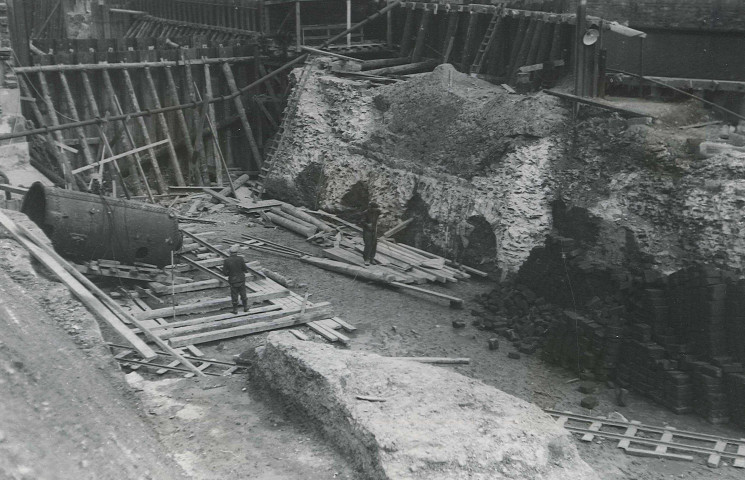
434 424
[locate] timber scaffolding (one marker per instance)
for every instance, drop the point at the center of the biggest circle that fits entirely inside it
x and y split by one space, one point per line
148 103
122 92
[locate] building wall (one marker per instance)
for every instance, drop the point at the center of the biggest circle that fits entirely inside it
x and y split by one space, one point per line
670 53
719 15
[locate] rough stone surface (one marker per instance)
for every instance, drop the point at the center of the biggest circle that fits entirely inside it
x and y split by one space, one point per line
461 156
435 424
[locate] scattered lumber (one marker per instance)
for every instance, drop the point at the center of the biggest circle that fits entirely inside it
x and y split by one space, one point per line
76 287
709 149
290 321
301 215
350 270
85 290
368 398
290 225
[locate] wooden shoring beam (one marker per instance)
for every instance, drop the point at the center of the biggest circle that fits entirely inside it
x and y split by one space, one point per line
161 118
465 59
93 105
211 121
197 124
287 66
447 46
162 185
51 110
535 43
545 47
120 155
91 67
238 102
522 54
62 161
556 46
172 94
406 35
129 141
416 54
517 41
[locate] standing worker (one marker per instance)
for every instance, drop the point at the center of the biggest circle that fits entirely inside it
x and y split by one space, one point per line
234 267
370 232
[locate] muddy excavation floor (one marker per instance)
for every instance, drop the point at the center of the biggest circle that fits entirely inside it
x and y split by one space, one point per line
228 428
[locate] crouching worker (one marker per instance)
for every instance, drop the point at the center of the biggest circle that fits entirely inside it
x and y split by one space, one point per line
234 267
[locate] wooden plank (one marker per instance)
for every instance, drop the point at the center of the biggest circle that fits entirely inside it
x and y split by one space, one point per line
121 155
346 326
594 426
163 289
221 278
597 103
454 301
299 335
314 312
666 437
161 119
740 462
714 458
212 318
651 453
436 360
400 226
251 329
238 102
629 435
208 305
326 333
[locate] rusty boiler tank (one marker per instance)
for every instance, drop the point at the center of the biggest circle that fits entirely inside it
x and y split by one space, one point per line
84 226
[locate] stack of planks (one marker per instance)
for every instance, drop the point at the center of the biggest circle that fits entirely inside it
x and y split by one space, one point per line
272 306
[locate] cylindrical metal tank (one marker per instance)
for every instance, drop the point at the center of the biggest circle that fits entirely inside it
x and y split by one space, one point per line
84 226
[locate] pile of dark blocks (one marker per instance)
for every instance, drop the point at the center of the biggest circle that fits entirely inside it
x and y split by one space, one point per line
675 339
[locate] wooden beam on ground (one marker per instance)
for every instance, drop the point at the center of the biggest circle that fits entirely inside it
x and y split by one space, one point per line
423 66
455 302
435 360
597 103
250 329
314 312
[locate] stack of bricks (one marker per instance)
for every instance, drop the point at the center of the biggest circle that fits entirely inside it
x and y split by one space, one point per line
585 345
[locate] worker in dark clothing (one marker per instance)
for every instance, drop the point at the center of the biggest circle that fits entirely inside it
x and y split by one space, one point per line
370 232
234 267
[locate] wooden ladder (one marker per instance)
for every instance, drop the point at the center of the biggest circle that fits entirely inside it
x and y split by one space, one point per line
280 138
491 30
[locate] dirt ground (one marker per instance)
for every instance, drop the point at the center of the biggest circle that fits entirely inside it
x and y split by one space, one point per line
229 428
